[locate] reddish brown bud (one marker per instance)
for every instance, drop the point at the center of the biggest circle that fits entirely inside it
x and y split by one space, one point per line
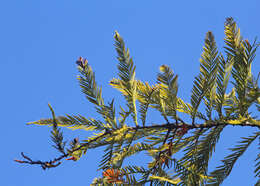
72 158
81 62
19 161
247 42
80 59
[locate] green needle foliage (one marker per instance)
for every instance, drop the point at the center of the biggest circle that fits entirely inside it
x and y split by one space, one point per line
180 148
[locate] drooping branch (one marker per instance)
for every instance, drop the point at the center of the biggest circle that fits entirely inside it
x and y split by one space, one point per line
53 163
170 126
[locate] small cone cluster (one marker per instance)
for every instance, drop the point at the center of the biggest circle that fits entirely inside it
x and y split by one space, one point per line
113 176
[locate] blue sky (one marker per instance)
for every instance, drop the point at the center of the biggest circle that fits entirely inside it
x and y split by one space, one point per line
40 41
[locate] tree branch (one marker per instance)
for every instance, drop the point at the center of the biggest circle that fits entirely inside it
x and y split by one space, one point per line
169 126
53 163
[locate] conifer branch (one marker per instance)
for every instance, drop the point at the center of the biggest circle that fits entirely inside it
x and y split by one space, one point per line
224 170
162 141
56 161
169 126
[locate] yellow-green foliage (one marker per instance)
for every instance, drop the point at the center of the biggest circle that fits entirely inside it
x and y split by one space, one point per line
179 149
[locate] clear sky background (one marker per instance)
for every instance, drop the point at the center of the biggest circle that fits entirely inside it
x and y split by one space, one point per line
40 41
